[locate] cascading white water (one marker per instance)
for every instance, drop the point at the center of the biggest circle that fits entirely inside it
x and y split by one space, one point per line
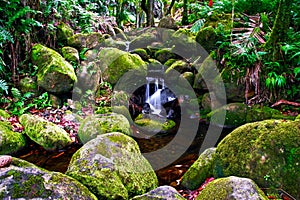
154 100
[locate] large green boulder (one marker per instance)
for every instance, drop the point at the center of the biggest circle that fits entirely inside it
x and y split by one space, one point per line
207 38
70 54
199 171
112 167
10 141
45 133
268 152
114 63
168 23
160 193
23 180
63 32
85 40
238 114
94 125
233 188
54 74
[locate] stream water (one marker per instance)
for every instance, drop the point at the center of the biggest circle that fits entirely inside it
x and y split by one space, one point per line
59 160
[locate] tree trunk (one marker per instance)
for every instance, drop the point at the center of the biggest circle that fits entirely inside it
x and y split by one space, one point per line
185 20
280 27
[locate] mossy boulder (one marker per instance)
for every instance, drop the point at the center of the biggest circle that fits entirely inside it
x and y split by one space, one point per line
168 23
63 32
10 141
4 114
45 133
114 63
189 76
169 62
160 193
143 40
23 180
94 125
297 118
154 125
199 171
54 74
112 167
142 53
28 84
210 102
70 54
85 40
207 38
234 188
164 55
180 66
238 114
268 152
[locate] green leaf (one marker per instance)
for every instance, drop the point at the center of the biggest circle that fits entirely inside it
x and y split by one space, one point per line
297 71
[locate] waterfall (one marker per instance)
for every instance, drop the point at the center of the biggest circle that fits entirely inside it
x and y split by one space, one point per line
154 100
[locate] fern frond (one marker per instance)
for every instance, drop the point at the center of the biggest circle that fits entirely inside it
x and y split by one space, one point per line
3 86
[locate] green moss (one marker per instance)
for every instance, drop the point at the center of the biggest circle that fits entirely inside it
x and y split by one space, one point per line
88 40
142 53
55 74
70 54
10 141
268 148
44 133
179 66
28 84
163 55
207 38
297 118
199 171
63 32
154 125
4 114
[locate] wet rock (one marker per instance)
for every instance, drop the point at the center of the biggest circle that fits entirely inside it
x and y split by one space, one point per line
5 161
45 133
161 193
207 38
234 188
179 66
24 180
63 32
117 158
94 125
268 152
70 54
167 22
87 40
164 55
10 141
114 63
54 74
199 171
142 53
154 124
238 114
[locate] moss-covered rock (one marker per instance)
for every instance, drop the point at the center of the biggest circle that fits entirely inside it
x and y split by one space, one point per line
45 133
169 62
207 38
143 40
85 40
189 76
210 102
28 84
164 55
4 114
70 54
112 167
180 66
268 152
168 23
160 193
114 63
199 171
54 74
10 141
142 53
234 188
23 180
63 32
297 118
238 114
95 125
154 125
